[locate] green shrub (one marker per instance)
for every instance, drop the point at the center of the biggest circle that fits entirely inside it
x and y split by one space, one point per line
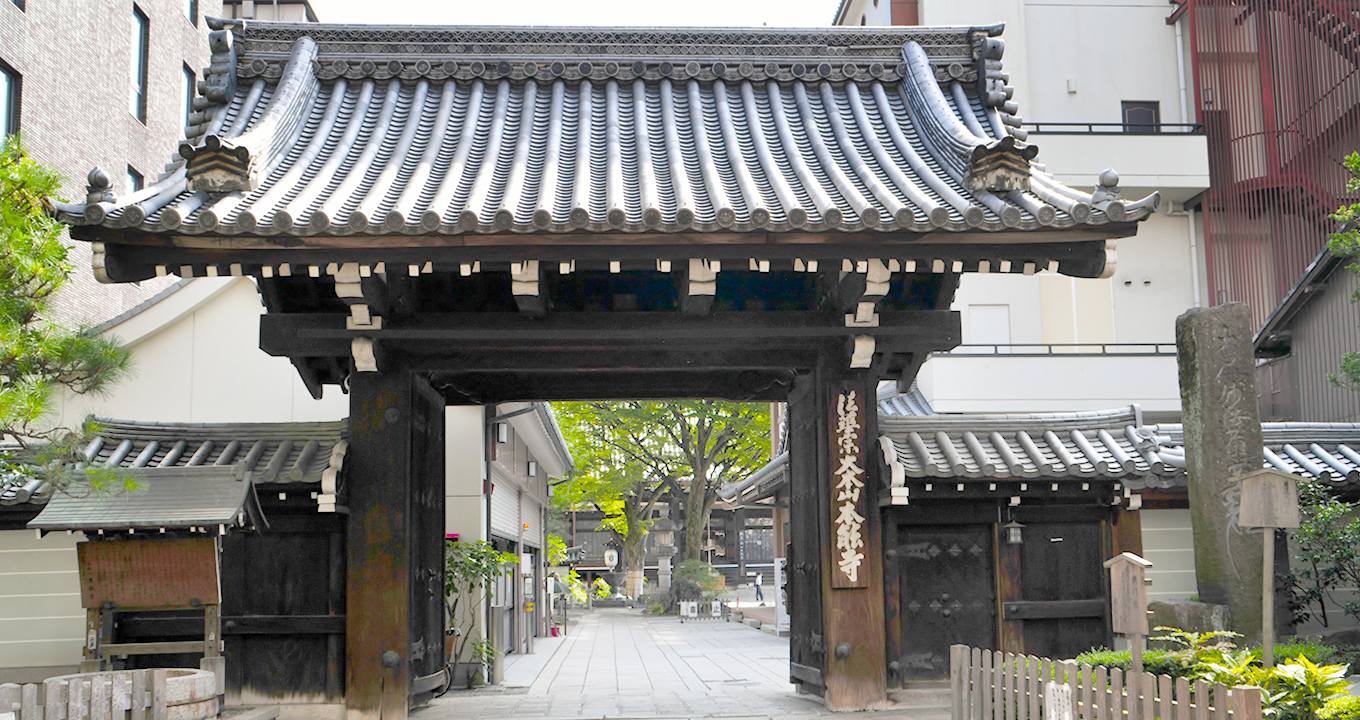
1311 648
1341 707
700 574
1158 662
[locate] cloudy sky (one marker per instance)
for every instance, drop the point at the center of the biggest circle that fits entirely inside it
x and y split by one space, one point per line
753 13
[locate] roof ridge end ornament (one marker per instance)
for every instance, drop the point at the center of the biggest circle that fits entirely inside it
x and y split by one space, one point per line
1001 166
222 164
220 23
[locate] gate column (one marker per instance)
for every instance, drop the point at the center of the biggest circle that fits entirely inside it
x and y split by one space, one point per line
394 580
838 637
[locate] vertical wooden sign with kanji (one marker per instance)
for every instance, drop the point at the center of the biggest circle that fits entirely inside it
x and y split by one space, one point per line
849 500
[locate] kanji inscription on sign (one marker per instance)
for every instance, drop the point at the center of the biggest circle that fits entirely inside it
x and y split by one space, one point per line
849 501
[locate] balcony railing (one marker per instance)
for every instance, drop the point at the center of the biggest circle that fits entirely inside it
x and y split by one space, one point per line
1067 350
1071 128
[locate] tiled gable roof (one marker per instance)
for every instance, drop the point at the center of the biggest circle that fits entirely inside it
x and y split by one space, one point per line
335 130
308 454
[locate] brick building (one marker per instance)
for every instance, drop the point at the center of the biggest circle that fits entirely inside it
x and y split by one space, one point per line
110 80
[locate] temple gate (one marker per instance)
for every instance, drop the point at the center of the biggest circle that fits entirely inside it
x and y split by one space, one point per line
451 215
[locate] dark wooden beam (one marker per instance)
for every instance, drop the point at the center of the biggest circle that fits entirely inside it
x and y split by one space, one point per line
609 360
320 335
484 388
133 256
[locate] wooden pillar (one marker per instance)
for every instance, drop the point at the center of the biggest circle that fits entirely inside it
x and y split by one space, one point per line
393 496
1127 531
835 477
1010 588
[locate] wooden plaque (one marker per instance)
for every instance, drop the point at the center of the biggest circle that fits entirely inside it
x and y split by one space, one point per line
849 491
1270 499
1128 594
148 574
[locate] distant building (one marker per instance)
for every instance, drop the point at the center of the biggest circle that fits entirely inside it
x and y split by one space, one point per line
281 10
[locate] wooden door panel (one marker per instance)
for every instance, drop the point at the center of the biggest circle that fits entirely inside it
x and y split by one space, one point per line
947 594
1061 563
266 579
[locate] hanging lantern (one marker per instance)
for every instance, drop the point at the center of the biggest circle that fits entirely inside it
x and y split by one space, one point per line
1014 536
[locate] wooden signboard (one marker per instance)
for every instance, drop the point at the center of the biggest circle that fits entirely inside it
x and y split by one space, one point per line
1270 499
149 574
849 499
1128 594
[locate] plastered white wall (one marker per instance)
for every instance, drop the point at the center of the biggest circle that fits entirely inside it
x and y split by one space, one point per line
1056 383
464 471
1169 544
205 365
41 621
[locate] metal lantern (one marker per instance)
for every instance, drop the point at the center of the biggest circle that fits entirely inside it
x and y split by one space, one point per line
1014 534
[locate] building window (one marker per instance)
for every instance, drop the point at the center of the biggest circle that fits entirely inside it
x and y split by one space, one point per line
134 180
190 80
141 55
191 9
10 83
18 3
1141 116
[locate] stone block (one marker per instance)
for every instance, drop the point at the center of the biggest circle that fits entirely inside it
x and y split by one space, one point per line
1222 444
1185 615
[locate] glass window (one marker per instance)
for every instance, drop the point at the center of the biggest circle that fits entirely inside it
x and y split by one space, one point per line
134 180
1141 116
191 10
9 100
190 80
141 42
18 3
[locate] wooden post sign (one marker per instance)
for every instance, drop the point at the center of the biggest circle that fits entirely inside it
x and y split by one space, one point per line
1128 609
1270 499
849 501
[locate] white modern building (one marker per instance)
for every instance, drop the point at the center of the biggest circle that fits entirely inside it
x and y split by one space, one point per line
1103 83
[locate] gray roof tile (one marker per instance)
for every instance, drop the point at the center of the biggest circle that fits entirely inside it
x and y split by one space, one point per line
166 498
335 130
270 452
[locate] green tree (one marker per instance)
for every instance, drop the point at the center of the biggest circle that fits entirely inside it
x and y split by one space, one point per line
1327 548
40 357
688 448
608 481
1346 244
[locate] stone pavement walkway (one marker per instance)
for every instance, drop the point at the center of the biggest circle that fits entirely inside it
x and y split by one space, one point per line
621 663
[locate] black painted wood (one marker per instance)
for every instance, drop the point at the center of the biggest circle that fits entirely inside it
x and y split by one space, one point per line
809 518
947 595
279 612
1052 609
427 534
317 334
1062 561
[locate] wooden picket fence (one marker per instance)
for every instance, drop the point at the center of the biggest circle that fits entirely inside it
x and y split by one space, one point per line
991 685
129 695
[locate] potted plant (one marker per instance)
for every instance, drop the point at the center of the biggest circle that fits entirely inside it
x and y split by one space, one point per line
469 570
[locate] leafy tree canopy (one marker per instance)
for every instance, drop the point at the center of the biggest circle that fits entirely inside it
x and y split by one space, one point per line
637 450
40 357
